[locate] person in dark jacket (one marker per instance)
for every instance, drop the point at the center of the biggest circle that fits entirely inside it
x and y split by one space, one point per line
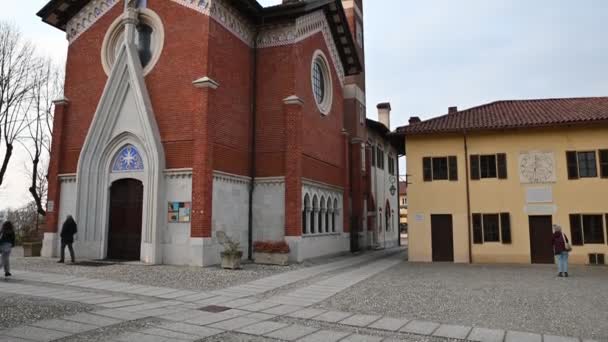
68 231
7 242
561 250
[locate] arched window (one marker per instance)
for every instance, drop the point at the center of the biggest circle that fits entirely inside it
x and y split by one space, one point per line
333 216
313 213
330 212
128 159
305 210
322 211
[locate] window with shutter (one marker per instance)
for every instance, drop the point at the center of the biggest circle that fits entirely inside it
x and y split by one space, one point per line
593 229
491 230
505 227
576 230
604 163
477 229
587 167
487 166
453 168
440 168
474 167
501 163
572 165
427 169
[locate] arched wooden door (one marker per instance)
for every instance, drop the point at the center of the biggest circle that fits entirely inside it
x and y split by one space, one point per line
124 235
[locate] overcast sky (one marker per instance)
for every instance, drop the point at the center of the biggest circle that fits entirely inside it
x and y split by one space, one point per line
426 55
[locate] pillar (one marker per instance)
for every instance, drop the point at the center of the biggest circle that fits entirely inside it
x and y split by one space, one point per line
292 108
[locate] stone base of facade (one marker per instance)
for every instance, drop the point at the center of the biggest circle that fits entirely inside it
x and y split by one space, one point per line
307 247
50 245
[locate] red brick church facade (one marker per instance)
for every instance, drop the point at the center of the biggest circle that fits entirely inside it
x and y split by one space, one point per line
245 114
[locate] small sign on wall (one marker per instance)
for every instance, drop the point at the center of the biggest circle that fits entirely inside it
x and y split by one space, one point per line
179 212
50 206
419 217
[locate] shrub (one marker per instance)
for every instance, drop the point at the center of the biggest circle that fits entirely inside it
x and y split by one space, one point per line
280 247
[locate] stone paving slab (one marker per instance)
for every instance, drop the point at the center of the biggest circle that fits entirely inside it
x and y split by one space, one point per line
520 336
332 316
389 323
176 294
260 316
361 338
292 332
282 309
360 320
452 331
35 334
87 318
208 318
553 338
190 329
122 303
65 326
139 337
120 314
240 302
325 336
169 334
100 299
307 313
183 315
420 327
259 306
486 335
261 328
12 339
234 323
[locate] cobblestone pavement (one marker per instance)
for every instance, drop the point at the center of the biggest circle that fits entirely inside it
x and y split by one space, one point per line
128 312
522 297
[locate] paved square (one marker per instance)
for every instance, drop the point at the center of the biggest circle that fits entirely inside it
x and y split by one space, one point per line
553 338
332 316
420 327
519 336
360 320
325 336
486 335
389 323
361 338
307 313
452 331
262 328
233 324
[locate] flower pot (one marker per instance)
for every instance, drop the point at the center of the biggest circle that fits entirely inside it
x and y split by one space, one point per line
279 259
232 260
32 249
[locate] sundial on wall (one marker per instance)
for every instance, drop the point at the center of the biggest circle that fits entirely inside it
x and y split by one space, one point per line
537 167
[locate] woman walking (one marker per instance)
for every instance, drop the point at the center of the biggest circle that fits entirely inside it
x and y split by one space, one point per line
68 231
7 242
561 248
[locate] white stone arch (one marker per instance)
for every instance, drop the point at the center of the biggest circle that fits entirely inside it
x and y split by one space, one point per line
314 229
124 115
322 212
306 209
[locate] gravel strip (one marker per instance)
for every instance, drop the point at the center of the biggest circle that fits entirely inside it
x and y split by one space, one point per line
178 277
106 333
512 297
18 310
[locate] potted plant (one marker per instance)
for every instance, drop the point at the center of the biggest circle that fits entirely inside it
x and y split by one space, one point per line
232 254
271 253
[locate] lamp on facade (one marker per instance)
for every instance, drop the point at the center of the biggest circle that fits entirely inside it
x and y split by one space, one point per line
392 190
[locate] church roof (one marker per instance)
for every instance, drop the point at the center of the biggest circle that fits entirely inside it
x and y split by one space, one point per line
515 114
57 13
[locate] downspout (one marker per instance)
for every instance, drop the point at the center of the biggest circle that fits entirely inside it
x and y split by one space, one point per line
398 202
466 164
252 163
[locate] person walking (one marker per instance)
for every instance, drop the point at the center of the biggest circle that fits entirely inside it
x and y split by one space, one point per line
561 248
68 230
7 242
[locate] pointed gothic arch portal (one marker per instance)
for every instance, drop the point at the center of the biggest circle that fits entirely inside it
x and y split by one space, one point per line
125 226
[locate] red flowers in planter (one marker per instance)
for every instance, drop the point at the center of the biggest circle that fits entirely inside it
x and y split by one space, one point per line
280 247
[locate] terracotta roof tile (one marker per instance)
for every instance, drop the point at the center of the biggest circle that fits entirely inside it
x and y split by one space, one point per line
516 114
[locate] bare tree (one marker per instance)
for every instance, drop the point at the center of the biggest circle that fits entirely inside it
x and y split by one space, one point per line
47 86
17 63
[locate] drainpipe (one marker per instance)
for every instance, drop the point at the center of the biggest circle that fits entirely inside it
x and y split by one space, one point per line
252 161
398 201
466 163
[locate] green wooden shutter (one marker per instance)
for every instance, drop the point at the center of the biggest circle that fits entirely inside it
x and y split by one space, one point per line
477 230
576 230
475 167
453 168
604 163
505 228
572 165
501 162
427 169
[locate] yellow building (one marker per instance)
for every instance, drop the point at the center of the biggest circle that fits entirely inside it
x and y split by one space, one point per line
529 164
403 204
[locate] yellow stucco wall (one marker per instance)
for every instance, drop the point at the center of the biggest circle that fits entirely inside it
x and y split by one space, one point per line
582 196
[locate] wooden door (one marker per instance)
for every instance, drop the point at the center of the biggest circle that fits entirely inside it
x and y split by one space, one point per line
541 246
442 238
124 236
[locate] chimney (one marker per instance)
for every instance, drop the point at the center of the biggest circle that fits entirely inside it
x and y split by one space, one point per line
414 120
452 110
384 114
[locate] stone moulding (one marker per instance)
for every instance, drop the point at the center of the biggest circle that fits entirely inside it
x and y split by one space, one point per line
178 173
230 178
87 16
67 178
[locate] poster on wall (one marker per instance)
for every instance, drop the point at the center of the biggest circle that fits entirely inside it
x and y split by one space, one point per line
179 212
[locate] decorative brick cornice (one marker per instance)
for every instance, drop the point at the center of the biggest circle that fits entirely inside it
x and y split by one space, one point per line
87 16
304 27
230 178
178 173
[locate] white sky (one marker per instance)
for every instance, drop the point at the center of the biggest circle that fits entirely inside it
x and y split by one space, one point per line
426 55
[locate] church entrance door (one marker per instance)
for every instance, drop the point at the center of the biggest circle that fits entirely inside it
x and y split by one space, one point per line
124 236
